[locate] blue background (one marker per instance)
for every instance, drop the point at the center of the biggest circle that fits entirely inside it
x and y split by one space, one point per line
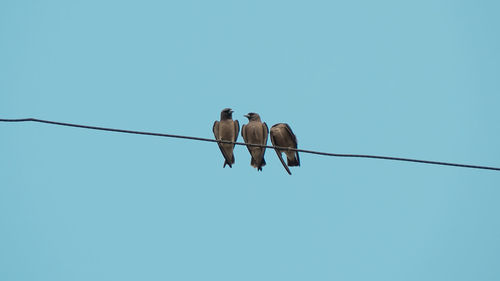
402 78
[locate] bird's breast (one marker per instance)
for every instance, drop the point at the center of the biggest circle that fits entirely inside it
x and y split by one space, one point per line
226 130
254 132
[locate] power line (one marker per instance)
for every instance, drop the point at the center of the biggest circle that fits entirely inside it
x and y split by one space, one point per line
257 145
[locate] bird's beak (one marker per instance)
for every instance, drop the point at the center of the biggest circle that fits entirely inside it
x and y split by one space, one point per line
247 116
231 111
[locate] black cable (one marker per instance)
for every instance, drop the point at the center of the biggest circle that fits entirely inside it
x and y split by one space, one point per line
258 145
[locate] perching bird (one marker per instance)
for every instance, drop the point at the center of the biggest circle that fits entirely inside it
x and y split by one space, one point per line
227 129
255 132
282 135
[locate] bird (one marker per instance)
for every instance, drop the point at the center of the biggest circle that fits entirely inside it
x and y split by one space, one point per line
282 135
255 132
226 129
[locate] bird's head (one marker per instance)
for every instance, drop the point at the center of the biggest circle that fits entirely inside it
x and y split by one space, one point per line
226 113
252 116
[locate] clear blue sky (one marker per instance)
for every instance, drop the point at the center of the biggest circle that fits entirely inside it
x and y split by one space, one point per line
412 79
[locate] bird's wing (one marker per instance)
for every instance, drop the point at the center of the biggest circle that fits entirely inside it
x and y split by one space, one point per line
236 130
266 133
273 141
244 135
249 147
215 129
216 134
294 138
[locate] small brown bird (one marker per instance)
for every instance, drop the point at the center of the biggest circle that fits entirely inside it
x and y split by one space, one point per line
227 129
282 135
255 132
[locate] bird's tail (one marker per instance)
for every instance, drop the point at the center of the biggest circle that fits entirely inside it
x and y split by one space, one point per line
262 164
258 165
293 162
227 163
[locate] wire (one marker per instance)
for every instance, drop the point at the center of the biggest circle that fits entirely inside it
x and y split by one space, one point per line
255 145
